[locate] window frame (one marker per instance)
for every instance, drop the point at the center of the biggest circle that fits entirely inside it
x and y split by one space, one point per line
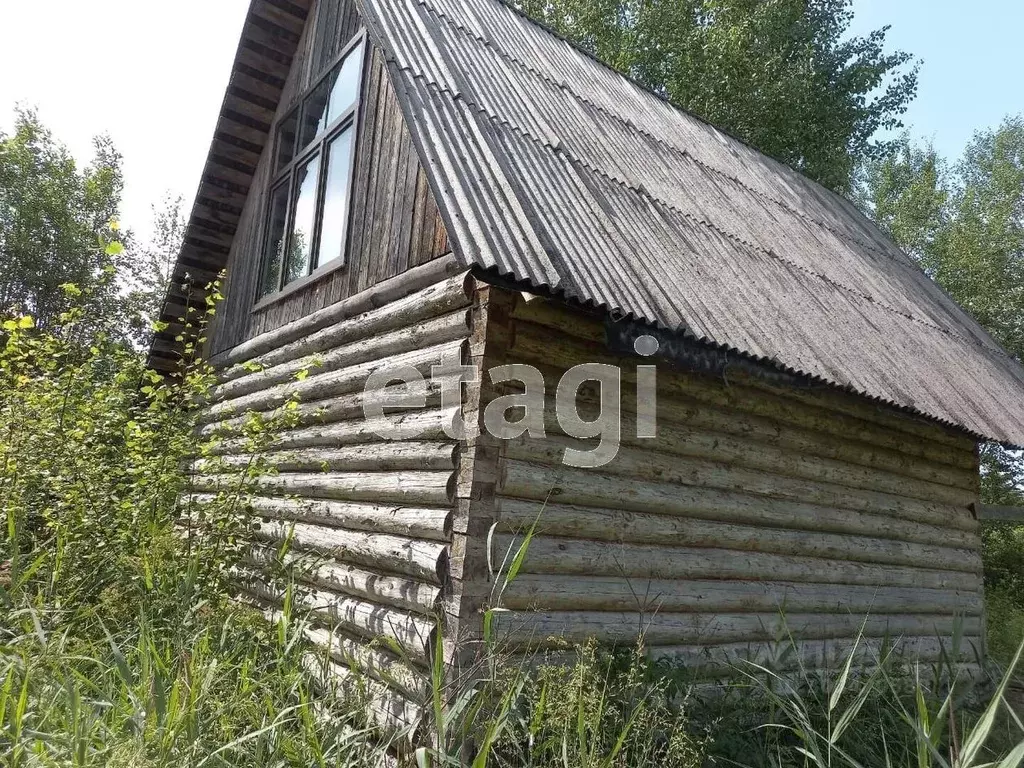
318 147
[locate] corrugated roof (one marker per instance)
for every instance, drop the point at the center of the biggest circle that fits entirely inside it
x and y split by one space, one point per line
553 169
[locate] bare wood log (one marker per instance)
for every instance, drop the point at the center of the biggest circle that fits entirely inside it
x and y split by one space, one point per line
616 593
561 519
367 658
373 457
387 710
434 300
816 654
311 569
385 292
659 462
346 407
539 346
549 316
519 629
414 522
368 621
768 534
426 333
572 557
382 553
425 425
339 382
790 503
927 481
430 488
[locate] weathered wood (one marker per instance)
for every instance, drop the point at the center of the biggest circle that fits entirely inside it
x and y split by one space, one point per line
434 300
372 255
397 591
617 593
588 329
787 655
547 555
425 333
387 710
688 429
515 629
613 524
716 489
998 514
369 457
412 634
346 407
672 530
386 554
547 347
663 460
415 522
341 381
368 658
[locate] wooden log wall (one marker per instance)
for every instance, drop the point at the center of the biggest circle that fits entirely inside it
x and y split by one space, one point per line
394 222
753 503
369 519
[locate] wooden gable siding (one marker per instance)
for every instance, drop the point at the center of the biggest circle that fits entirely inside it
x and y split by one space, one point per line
394 223
751 502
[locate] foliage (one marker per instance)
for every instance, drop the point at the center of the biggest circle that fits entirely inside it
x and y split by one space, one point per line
965 225
55 222
784 75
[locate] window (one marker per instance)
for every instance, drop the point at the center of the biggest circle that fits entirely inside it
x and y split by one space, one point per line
307 214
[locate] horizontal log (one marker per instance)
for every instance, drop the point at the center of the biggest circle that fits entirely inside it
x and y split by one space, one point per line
365 658
686 492
426 560
928 481
414 522
829 654
339 382
433 301
547 347
379 295
997 513
548 555
368 457
615 525
518 629
407 487
411 635
553 317
422 425
616 593
426 333
396 591
387 710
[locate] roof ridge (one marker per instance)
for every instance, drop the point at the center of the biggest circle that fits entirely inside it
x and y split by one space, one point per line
643 192
657 139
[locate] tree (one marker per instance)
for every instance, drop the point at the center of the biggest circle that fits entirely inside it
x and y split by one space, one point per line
56 222
782 75
149 265
965 226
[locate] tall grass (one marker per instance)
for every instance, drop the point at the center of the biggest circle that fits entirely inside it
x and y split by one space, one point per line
121 645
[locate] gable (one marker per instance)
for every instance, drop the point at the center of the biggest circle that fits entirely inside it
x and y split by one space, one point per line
394 222
560 173
550 168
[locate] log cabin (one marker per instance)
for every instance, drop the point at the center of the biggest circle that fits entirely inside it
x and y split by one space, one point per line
443 186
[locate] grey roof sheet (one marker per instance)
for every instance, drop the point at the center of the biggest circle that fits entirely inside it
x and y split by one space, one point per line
552 168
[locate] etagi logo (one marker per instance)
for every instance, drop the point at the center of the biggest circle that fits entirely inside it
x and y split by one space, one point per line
381 394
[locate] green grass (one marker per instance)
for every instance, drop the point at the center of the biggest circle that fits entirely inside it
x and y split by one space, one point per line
120 644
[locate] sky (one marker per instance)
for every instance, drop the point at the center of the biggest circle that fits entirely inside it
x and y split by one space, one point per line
151 73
